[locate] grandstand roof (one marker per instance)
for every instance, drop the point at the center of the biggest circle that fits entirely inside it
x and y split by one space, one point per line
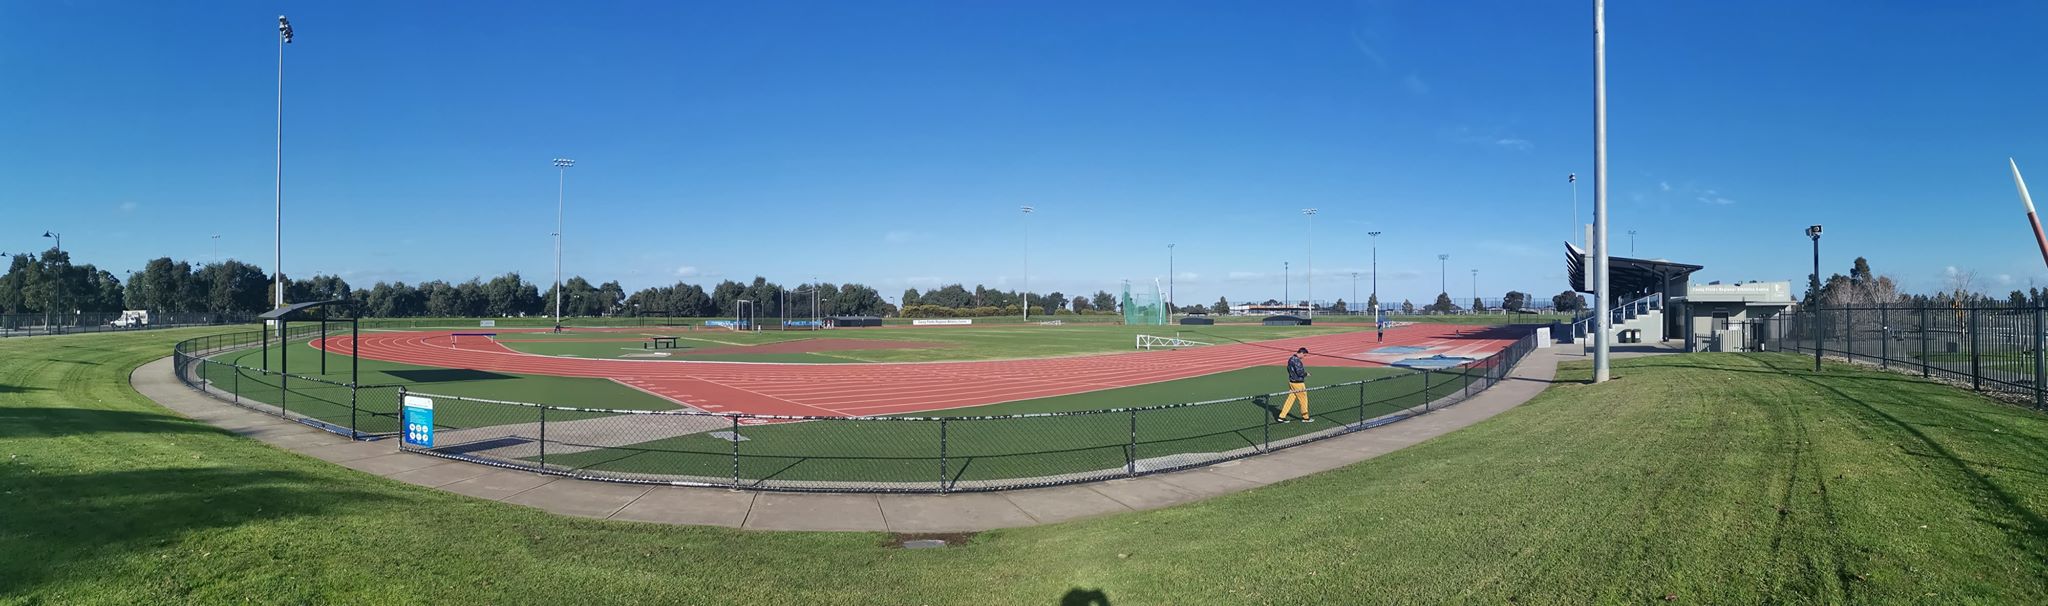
1625 275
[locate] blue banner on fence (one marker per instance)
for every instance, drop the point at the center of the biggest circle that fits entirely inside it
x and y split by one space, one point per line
419 421
803 323
721 323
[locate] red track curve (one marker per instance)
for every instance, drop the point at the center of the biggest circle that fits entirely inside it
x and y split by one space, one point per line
862 389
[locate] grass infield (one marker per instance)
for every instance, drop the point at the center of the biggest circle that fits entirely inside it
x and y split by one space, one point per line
1708 479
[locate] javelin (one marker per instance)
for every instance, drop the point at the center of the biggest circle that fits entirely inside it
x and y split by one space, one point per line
2029 200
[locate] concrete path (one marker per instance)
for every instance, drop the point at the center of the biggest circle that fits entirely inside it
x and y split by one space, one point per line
847 512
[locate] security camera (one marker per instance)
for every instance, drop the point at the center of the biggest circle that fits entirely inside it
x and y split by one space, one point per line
1813 232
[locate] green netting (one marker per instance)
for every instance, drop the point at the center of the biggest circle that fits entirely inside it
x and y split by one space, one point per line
1142 308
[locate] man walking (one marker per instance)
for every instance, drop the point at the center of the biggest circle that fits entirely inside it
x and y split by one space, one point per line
1297 387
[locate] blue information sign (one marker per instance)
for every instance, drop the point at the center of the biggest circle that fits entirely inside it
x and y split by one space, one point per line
419 421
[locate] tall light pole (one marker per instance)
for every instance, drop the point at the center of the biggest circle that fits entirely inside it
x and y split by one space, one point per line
1631 242
1351 309
1169 281
1574 179
1442 282
216 247
1027 260
1602 323
1814 232
1475 290
561 184
57 294
1375 276
1286 283
1310 229
284 36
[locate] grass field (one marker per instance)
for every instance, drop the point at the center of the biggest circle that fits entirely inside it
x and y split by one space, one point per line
948 343
1711 479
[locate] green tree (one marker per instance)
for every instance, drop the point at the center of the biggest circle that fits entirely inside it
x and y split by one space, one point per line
1407 307
1568 302
1514 301
1372 302
1443 304
1103 301
1221 307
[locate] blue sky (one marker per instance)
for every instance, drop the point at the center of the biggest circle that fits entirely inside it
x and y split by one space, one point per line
891 143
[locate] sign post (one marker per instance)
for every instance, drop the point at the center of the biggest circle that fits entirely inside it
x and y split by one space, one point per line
419 421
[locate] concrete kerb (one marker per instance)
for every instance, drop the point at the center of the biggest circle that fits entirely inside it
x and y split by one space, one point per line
847 512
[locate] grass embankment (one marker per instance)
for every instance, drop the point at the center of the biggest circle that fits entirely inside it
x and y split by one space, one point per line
1714 478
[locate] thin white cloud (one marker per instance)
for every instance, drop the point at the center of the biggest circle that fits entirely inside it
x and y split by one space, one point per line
1245 275
1358 40
2003 279
1188 276
688 271
1514 144
129 206
1713 197
900 237
1664 186
926 281
1415 85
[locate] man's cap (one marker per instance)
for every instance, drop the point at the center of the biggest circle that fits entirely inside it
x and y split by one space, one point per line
1302 350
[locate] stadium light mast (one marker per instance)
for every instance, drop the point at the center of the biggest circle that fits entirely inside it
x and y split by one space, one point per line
1310 229
1475 290
1027 259
561 184
1602 323
284 36
1443 283
1631 242
1814 232
1354 294
1375 276
56 294
1169 281
1287 282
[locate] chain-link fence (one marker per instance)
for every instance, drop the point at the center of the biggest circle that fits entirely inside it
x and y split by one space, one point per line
871 454
924 454
1990 347
30 325
328 402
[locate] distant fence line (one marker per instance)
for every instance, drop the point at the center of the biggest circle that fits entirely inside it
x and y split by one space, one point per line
1990 347
840 454
30 325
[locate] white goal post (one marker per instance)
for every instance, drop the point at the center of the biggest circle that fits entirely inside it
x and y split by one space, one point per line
1148 342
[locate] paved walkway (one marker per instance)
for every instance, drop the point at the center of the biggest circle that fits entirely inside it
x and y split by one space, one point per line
847 512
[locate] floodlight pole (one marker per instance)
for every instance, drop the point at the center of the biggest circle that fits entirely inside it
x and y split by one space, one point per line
284 34
1814 232
1169 281
1375 276
1027 260
1287 283
1631 242
57 294
1602 322
1354 294
1475 290
1443 281
561 184
1310 229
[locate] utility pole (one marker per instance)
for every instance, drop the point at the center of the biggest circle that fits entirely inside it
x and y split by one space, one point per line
1375 276
1027 260
1310 229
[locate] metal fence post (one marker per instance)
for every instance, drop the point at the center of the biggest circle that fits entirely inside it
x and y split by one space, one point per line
1361 404
1425 390
1976 360
735 439
1884 347
942 456
1266 432
1131 451
1849 334
2040 374
1925 370
544 437
238 382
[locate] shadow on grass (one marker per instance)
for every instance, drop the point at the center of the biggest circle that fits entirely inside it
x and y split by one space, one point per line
19 389
1084 597
2030 531
445 375
36 422
71 525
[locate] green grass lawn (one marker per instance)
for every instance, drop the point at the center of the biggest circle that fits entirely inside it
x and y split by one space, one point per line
1710 478
948 343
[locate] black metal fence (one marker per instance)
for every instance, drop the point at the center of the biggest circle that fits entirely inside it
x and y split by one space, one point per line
265 385
864 454
1990 347
30 325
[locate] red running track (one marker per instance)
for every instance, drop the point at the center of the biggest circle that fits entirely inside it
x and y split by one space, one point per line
863 389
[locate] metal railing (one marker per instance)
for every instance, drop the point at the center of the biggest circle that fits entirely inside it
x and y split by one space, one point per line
1584 325
1989 347
855 454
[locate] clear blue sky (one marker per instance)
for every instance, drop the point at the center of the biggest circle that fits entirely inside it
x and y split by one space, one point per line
891 143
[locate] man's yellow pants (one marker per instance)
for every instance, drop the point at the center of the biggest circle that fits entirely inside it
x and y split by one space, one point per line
1295 391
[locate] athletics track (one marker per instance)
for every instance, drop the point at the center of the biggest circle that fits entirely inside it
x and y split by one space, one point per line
867 389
